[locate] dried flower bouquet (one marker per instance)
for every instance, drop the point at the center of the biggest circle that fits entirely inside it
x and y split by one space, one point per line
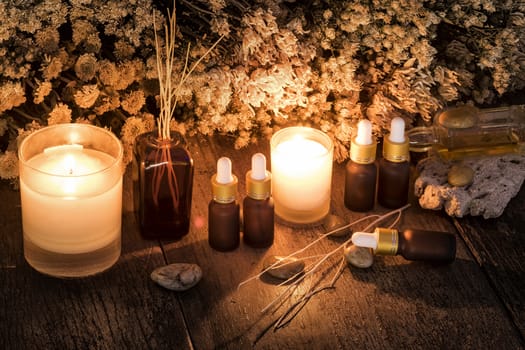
326 64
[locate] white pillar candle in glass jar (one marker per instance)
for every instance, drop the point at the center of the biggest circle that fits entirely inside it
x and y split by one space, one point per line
71 196
301 166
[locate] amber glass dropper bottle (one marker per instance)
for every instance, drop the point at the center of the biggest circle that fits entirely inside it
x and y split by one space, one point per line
223 209
361 170
433 246
258 208
394 167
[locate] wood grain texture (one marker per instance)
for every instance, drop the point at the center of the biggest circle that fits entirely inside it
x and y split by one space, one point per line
118 309
499 246
473 303
395 304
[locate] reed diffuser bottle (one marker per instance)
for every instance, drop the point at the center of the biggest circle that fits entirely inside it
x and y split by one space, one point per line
163 184
163 167
361 170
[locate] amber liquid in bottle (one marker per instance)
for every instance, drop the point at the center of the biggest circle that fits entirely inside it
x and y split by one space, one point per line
431 246
163 185
467 131
427 245
223 209
258 219
223 225
361 170
258 207
360 186
393 184
394 167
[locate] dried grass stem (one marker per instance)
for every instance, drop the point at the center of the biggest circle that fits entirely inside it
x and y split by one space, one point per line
168 98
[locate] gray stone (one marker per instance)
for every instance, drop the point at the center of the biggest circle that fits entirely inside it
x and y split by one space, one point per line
358 256
496 181
283 267
178 277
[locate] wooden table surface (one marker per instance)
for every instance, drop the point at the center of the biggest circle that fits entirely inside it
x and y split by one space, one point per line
477 302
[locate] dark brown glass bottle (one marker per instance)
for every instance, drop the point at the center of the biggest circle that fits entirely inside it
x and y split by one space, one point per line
394 168
432 246
361 179
393 183
223 209
361 170
258 208
163 184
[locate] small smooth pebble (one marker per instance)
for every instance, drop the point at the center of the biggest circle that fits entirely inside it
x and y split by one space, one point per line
460 175
178 277
333 222
285 268
359 256
458 118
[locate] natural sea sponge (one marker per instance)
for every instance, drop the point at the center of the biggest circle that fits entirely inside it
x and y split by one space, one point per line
496 181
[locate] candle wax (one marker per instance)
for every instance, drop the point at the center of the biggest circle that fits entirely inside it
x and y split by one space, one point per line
301 171
70 205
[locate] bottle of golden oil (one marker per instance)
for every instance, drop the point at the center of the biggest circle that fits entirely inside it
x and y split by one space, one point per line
466 131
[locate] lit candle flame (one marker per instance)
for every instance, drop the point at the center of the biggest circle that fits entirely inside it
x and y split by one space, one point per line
69 184
69 164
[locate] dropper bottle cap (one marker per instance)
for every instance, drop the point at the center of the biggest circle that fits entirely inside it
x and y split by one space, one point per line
224 183
363 146
383 241
258 179
396 145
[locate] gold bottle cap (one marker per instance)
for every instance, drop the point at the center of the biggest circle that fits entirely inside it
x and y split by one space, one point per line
224 183
387 241
363 154
396 152
396 147
258 179
258 189
224 193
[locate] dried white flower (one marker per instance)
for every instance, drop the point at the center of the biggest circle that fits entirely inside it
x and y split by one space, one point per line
61 114
133 127
47 39
52 68
108 73
133 102
8 165
86 97
123 50
11 95
43 89
327 65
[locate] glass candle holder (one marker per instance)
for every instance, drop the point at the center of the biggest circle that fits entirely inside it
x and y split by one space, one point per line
301 165
71 195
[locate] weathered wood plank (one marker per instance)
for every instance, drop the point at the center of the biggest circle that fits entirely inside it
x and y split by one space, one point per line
118 309
394 304
498 246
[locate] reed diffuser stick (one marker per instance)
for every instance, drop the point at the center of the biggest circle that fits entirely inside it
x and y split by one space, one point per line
168 98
